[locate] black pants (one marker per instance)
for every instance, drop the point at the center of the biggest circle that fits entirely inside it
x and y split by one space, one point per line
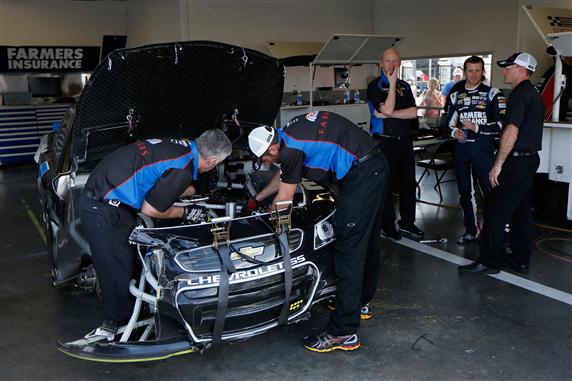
108 229
357 247
401 160
509 203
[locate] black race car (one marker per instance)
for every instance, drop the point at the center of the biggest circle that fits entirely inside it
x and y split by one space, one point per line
228 277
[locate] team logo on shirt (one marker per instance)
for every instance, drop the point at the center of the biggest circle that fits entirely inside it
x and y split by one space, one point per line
312 116
142 148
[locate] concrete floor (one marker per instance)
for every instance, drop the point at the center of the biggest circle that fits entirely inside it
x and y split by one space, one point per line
430 323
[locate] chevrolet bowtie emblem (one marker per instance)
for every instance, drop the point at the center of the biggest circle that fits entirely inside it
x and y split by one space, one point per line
249 251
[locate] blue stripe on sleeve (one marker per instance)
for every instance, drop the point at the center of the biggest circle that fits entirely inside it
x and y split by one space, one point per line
133 190
376 123
323 155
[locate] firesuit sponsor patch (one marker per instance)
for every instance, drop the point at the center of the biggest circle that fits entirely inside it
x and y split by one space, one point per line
477 117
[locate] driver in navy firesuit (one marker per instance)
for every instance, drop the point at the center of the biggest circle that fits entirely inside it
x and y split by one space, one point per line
475 118
146 176
327 148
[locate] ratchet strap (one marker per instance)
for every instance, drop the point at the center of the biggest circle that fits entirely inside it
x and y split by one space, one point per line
285 249
226 267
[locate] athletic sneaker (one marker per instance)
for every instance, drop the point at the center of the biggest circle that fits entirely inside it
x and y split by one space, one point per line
365 310
466 238
325 342
412 231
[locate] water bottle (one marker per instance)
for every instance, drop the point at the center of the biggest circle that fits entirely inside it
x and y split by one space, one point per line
356 96
299 99
464 138
347 96
464 130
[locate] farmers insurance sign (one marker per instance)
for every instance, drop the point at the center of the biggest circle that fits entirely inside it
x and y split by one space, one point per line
15 59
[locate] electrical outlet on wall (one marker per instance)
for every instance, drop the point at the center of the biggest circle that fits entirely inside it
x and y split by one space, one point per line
560 172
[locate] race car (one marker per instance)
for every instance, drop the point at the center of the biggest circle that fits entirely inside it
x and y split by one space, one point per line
228 276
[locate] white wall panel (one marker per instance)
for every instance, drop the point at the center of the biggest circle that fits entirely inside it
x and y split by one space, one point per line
152 21
24 22
252 23
441 28
430 28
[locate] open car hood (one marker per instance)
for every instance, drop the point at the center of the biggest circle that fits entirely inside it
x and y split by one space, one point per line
175 90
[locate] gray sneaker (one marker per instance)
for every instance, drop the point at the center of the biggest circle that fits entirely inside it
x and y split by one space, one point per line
325 342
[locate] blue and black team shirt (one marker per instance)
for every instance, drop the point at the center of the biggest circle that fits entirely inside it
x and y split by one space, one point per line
320 146
485 106
155 170
377 91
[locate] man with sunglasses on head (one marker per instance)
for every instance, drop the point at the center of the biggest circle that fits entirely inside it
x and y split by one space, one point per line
513 171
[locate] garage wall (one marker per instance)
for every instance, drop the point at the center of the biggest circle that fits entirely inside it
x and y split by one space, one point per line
460 27
152 21
53 23
451 28
431 28
252 23
24 22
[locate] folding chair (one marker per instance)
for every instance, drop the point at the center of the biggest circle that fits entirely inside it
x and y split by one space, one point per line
441 160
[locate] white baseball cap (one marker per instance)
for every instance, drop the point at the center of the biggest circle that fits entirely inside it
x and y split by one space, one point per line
458 71
260 139
521 59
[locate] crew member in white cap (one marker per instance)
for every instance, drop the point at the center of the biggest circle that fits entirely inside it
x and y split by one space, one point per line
327 148
515 164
